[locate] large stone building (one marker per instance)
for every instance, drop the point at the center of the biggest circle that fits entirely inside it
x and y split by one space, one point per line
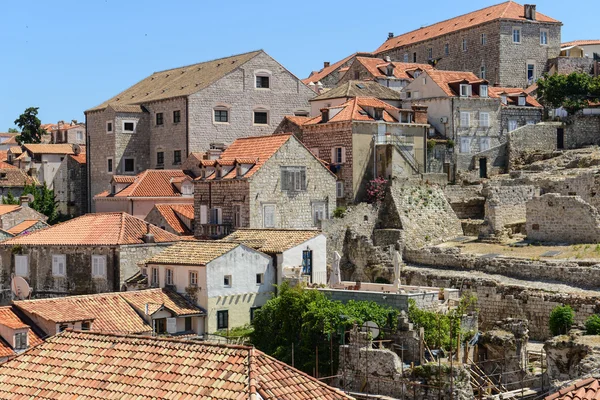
157 122
70 185
507 44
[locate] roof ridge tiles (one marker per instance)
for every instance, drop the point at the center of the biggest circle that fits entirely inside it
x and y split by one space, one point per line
207 61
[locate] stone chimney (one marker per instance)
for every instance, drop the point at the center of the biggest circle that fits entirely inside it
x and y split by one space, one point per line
326 64
148 237
24 201
390 35
324 115
529 11
420 114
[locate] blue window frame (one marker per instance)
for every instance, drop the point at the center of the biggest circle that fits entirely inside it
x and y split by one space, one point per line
307 262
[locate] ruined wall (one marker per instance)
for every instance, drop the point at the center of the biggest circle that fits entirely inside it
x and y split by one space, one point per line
399 301
505 205
567 65
541 137
466 201
565 219
582 130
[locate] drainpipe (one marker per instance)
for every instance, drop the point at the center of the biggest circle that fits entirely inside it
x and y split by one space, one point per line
116 271
187 127
88 169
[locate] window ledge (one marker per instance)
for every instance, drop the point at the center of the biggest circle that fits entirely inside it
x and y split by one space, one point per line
220 123
255 124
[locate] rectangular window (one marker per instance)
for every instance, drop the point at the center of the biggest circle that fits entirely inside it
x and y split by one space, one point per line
465 119
307 260
154 279
128 126
269 216
129 165
227 281
465 90
543 37
464 45
339 189
160 157
484 144
338 155
516 35
415 57
98 266
405 57
168 276
222 319
530 74
483 39
260 279
482 72
188 324
483 91
176 157
216 216
176 116
109 127
522 101
512 125
446 49
79 135
262 82
261 117
20 341
85 326
484 120
109 165
237 216
21 265
465 145
253 311
293 179
221 116
430 53
159 118
319 212
193 281
59 263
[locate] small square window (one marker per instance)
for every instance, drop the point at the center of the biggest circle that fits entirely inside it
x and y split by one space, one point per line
129 165
227 281
221 116
176 116
109 127
176 157
85 326
262 82
159 119
160 157
128 126
260 279
261 117
465 91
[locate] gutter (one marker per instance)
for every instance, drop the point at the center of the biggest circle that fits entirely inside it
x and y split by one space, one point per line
187 127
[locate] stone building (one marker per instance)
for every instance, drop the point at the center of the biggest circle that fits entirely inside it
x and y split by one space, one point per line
93 253
70 185
174 218
159 121
137 195
14 215
329 76
392 74
507 44
263 182
42 161
73 133
13 180
346 135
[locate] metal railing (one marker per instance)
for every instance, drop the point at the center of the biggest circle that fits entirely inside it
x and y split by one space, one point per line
402 145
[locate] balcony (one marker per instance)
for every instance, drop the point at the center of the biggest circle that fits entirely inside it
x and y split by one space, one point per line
215 231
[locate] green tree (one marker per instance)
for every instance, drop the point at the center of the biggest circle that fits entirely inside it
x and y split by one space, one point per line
10 198
31 127
592 325
561 320
13 130
572 92
307 320
44 201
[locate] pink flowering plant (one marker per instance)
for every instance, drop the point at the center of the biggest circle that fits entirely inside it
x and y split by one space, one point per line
376 190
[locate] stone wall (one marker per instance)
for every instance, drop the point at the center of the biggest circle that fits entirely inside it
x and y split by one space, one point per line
582 130
425 300
567 65
70 187
466 201
522 115
541 137
225 195
170 136
563 219
10 219
505 205
469 165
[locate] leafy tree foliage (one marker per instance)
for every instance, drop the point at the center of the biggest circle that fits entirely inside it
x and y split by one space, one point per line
376 190
592 325
44 201
13 130
561 320
10 198
31 127
309 320
572 92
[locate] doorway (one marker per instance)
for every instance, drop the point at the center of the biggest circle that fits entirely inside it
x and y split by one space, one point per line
560 138
483 167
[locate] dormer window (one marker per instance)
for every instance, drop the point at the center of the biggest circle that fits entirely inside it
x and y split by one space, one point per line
504 99
20 341
187 189
522 100
417 73
483 91
389 70
465 90
378 114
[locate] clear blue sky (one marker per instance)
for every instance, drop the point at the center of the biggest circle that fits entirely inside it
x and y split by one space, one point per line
66 56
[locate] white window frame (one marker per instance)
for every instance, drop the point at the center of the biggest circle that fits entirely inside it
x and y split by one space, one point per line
112 164
465 145
260 279
512 125
112 126
483 91
128 158
169 276
484 143
59 260
79 135
99 266
484 120
193 278
482 72
261 110
516 32
339 155
465 90
227 281
522 101
128 122
504 99
267 223
405 57
154 277
21 265
319 211
265 74
221 107
339 189
465 119
544 33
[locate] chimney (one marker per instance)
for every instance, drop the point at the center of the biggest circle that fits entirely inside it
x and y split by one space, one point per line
148 237
324 115
24 201
326 64
420 114
390 35
388 59
319 87
529 11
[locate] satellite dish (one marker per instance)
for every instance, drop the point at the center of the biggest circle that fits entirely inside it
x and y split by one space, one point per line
20 287
371 327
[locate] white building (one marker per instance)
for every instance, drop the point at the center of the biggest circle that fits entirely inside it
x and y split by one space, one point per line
43 160
229 280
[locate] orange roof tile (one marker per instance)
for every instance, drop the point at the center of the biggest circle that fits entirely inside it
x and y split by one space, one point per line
271 240
150 183
23 226
167 298
5 165
591 42
102 229
297 120
169 213
63 148
508 11
444 78
80 158
7 208
10 319
512 94
123 178
354 110
316 77
3 155
585 389
377 67
15 177
90 365
192 253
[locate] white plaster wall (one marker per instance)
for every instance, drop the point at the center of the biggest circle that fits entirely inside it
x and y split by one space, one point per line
293 258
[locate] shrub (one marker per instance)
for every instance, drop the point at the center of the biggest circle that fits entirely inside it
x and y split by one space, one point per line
376 190
430 144
339 212
592 325
561 320
450 144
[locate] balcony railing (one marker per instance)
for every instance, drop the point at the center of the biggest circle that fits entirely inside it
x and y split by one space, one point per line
215 231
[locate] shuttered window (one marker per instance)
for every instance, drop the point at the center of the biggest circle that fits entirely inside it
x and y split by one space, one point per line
98 266
484 119
21 265
465 119
269 216
293 179
59 262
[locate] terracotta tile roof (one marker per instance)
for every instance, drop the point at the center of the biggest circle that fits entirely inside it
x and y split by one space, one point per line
150 183
89 365
80 158
591 42
10 319
169 213
63 148
176 82
297 120
377 67
317 76
123 178
101 229
12 140
271 240
16 150
512 96
586 389
192 253
445 78
23 226
507 11
3 155
15 177
161 297
360 89
7 208
110 312
5 165
356 110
